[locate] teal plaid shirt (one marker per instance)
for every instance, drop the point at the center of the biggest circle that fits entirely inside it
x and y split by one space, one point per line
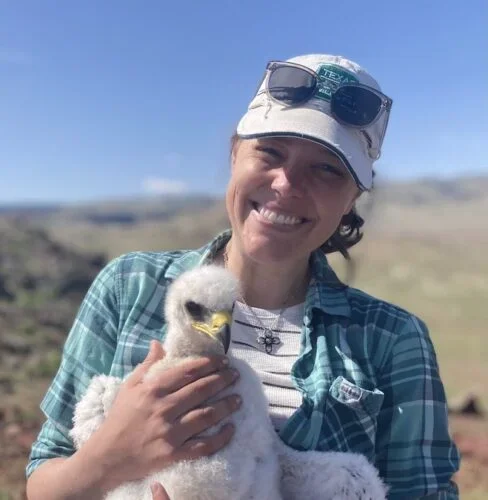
367 370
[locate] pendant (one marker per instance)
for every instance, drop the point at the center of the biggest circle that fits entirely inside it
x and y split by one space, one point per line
268 339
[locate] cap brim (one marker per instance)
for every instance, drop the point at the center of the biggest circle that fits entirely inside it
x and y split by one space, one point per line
314 125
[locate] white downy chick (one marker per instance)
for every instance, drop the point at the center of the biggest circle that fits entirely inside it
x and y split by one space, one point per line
256 463
198 311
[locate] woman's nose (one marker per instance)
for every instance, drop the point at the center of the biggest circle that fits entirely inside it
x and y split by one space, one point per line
288 180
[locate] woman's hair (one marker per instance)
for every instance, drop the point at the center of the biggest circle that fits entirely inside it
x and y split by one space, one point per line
345 236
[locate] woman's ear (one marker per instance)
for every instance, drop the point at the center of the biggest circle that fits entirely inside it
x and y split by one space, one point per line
235 143
352 204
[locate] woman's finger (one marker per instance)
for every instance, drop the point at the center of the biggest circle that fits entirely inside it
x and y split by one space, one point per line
155 353
158 492
176 377
197 393
200 419
206 445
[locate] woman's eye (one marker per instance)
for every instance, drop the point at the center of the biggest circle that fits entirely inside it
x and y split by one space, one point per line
269 151
329 170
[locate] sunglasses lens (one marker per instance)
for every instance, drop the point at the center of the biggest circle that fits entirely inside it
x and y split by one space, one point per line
356 106
290 85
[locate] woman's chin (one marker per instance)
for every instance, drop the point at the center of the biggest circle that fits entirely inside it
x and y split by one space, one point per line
269 242
265 249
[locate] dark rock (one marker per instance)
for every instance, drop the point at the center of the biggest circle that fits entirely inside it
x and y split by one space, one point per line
6 387
74 286
14 344
98 261
470 405
31 261
5 294
28 282
42 284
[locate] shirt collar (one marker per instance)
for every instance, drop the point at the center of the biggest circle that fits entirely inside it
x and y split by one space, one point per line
325 292
198 257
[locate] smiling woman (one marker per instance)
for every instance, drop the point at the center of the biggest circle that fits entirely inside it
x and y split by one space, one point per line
348 233
285 199
342 371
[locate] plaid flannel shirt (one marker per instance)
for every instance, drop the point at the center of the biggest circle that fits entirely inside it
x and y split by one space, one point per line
367 370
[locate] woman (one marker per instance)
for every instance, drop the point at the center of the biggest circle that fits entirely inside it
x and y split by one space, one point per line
342 370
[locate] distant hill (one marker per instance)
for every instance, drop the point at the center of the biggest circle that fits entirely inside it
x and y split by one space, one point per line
41 286
129 211
451 210
126 211
29 209
431 191
448 208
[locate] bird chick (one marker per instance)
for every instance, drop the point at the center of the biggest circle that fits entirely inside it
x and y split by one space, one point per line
198 310
256 464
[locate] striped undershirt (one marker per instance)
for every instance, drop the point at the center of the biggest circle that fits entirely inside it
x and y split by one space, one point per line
273 369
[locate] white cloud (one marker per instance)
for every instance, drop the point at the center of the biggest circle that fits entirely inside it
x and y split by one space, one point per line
12 56
157 185
171 162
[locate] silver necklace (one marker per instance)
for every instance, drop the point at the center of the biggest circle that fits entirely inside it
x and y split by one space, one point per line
267 336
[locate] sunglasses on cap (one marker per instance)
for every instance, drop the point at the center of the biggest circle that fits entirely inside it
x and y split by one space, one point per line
352 104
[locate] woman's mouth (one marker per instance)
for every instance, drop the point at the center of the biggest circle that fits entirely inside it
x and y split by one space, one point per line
276 217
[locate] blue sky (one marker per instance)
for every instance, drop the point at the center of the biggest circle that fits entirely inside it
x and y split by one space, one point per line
110 98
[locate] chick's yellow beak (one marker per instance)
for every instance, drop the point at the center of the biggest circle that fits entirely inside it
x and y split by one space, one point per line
219 327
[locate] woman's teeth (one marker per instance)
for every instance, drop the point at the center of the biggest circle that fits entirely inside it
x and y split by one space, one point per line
276 218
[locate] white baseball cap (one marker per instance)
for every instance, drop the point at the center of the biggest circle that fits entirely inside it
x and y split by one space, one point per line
313 119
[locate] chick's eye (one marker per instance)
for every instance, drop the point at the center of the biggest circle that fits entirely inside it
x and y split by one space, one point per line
194 310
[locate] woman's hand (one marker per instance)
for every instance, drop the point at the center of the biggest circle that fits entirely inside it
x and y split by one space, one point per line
158 492
155 422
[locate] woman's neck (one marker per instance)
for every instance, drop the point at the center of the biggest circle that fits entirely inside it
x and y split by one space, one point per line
268 285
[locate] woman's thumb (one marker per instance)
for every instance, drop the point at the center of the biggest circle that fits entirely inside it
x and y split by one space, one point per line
158 492
155 353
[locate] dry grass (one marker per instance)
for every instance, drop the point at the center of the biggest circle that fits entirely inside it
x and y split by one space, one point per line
447 286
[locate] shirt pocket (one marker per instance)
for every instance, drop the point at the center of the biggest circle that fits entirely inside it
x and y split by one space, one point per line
355 397
350 417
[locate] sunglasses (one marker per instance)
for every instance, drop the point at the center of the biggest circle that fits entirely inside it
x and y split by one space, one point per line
352 104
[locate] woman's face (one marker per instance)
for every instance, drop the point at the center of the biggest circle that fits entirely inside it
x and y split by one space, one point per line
286 197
